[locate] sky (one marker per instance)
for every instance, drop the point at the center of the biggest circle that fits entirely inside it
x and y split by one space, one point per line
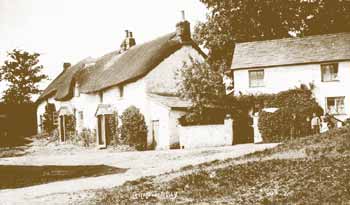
71 30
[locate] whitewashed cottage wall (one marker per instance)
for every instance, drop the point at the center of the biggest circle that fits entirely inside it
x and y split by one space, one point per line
282 78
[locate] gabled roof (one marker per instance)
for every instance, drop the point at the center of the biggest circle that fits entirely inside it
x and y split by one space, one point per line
290 51
114 68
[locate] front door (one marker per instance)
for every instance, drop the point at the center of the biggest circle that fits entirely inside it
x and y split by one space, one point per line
62 128
101 131
155 133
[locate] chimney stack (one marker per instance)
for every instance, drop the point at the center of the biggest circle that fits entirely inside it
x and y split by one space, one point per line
128 42
183 29
66 65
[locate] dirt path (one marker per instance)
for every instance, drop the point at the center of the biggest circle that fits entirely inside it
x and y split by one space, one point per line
139 164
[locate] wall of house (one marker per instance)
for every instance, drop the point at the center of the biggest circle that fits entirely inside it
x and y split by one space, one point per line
159 80
206 135
174 126
160 113
282 78
87 103
163 79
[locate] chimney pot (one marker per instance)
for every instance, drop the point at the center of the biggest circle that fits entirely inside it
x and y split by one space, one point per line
183 15
127 33
66 65
183 29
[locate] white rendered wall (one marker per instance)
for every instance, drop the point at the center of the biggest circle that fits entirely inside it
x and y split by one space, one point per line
286 77
206 135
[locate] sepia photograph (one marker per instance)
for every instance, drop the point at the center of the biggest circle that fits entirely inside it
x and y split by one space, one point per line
175 102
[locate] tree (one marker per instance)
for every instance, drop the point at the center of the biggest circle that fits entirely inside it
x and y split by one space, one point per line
23 74
204 87
231 21
133 128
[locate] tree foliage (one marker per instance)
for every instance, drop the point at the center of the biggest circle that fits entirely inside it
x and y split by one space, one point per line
230 21
133 128
202 86
22 73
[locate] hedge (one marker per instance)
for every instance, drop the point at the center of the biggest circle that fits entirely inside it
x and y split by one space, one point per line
281 125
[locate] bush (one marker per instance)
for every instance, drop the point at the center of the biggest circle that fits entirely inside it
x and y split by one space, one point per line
49 118
133 128
70 125
280 125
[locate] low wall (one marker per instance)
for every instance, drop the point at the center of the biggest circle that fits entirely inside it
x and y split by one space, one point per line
206 135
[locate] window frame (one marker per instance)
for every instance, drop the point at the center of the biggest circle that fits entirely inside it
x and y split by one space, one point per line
322 66
121 91
250 79
335 103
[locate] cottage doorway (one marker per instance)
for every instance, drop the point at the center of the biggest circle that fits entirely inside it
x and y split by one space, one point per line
155 132
101 131
62 126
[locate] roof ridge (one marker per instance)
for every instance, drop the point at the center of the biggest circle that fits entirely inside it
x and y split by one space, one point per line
294 38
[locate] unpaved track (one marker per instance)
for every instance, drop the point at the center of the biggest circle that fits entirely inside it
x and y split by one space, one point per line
139 164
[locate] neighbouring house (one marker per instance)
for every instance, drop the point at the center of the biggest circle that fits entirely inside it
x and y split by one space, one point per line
16 122
277 65
140 75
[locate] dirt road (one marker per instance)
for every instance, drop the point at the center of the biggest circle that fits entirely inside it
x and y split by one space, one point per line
138 164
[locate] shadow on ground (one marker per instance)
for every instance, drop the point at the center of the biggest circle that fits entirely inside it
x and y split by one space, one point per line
16 176
14 146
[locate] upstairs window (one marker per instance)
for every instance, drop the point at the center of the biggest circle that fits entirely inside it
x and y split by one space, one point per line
256 78
100 95
329 72
335 105
121 91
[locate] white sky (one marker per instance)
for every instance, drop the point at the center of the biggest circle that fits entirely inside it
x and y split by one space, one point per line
70 30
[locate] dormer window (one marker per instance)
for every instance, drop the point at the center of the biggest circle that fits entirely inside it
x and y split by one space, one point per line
329 72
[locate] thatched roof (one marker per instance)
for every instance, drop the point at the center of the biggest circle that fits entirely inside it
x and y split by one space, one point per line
292 51
115 68
60 86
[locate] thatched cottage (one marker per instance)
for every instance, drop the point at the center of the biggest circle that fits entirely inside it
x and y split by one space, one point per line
276 65
139 75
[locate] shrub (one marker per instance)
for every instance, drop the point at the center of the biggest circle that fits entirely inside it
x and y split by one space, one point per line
49 115
87 137
70 125
133 128
280 125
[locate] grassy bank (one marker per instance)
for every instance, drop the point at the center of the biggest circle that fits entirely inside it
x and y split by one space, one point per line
310 170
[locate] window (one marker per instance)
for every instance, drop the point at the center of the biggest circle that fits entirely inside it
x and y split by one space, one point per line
335 105
329 72
76 90
81 115
100 95
256 78
121 91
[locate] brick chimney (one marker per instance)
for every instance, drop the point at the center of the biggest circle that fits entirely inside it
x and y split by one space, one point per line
66 65
183 29
128 42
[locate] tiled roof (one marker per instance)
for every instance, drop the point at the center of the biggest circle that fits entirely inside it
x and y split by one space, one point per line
289 51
